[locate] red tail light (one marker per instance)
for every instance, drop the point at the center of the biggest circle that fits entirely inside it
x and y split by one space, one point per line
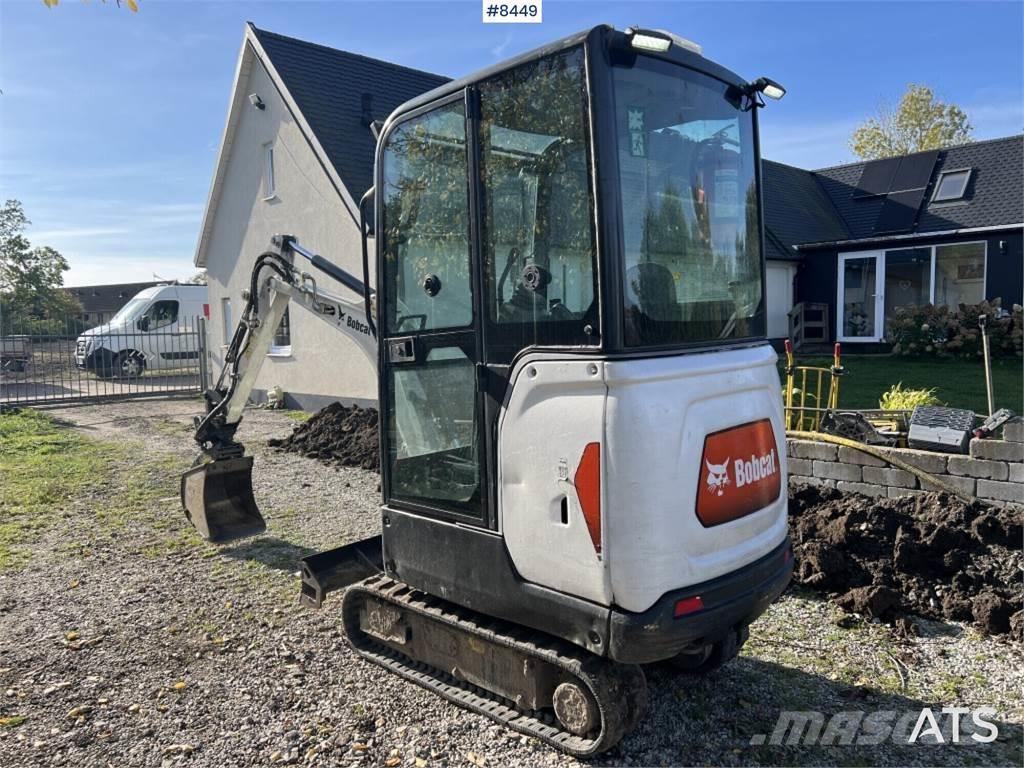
688 605
588 487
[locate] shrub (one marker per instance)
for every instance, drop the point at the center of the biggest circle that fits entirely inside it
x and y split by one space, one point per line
900 399
930 331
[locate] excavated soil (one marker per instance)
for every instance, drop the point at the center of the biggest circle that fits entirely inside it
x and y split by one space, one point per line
931 555
340 435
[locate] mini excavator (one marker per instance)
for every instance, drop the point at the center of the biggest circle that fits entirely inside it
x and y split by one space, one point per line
583 466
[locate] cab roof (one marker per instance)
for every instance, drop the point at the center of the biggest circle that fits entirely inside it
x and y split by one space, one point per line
602 34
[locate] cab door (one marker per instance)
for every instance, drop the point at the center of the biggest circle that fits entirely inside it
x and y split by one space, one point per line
432 447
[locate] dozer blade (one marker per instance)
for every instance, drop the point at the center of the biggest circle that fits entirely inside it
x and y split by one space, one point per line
338 568
218 501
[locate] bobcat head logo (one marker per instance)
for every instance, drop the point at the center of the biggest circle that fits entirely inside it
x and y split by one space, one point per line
718 476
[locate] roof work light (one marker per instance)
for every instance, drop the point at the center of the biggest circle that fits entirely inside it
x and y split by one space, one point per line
769 88
659 40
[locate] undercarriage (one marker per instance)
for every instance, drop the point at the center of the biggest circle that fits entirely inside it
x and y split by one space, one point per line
523 679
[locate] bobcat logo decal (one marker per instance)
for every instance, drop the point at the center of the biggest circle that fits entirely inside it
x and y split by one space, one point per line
747 481
718 476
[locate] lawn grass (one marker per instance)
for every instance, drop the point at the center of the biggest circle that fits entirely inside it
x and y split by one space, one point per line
958 383
45 468
49 473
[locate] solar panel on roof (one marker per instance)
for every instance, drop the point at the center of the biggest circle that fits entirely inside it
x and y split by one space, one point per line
899 212
877 176
915 171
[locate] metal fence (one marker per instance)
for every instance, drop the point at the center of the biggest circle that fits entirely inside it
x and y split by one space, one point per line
62 360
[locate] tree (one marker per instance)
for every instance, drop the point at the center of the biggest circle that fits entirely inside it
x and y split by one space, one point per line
919 122
199 278
132 5
30 278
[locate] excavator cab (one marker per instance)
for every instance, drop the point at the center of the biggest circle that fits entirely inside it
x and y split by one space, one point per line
582 439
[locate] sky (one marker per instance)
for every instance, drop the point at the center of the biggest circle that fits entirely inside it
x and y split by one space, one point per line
110 121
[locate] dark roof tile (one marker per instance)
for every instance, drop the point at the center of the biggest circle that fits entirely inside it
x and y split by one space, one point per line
103 298
995 195
796 210
328 86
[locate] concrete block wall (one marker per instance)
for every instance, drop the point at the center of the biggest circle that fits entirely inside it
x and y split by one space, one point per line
993 471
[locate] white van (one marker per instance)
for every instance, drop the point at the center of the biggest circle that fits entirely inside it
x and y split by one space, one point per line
156 330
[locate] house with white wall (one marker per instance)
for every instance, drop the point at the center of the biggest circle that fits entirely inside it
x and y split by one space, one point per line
295 157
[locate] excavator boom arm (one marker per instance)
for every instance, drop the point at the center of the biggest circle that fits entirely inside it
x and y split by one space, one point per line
268 298
217 492
342 314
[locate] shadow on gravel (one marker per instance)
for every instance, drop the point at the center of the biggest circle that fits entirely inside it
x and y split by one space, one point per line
273 552
744 715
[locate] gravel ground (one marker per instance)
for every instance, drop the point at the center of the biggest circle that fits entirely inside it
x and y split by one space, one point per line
125 641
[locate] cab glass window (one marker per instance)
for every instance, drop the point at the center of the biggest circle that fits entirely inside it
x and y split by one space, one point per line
692 257
538 228
426 222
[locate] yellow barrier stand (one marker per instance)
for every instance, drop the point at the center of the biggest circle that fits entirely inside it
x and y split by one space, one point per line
801 415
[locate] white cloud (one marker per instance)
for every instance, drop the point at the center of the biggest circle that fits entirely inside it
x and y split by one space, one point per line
807 144
103 270
995 119
48 235
110 240
499 50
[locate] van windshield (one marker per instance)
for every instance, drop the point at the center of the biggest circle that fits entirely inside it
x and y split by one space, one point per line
128 311
692 259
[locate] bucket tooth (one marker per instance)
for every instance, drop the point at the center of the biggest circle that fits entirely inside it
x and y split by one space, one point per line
218 501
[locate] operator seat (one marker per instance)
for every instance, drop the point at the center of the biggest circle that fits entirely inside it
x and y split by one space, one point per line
652 311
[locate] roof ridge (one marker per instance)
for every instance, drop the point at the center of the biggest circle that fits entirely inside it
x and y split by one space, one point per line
946 148
331 49
114 285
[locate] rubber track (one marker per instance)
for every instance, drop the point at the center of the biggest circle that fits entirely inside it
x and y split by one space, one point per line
620 690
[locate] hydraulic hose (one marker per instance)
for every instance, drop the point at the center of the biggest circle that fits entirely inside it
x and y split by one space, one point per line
241 336
881 454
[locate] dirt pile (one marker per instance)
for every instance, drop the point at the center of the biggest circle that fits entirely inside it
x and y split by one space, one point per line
340 435
931 555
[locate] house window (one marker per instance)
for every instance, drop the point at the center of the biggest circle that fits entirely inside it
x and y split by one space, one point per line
282 343
225 314
269 189
908 274
874 285
952 185
959 274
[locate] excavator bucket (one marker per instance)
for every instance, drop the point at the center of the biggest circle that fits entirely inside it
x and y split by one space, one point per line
218 501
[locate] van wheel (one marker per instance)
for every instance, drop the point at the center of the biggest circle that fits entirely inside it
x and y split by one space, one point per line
712 656
129 365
